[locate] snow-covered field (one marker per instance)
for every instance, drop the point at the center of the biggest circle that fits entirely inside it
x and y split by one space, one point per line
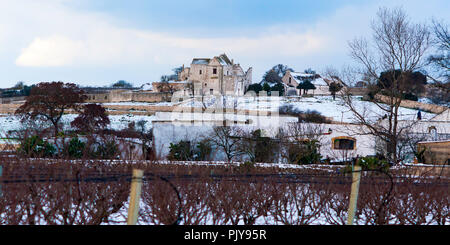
323 104
140 104
118 122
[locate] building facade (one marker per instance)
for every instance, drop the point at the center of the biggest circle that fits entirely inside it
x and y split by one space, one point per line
292 79
217 75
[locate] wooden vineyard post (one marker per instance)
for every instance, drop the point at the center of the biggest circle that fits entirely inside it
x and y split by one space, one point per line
354 194
135 196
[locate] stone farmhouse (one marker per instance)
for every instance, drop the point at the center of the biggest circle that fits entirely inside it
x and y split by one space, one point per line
292 79
205 76
217 75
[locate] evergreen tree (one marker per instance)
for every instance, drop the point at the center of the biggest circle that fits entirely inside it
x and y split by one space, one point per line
266 87
278 87
306 85
122 84
272 77
334 88
256 87
281 69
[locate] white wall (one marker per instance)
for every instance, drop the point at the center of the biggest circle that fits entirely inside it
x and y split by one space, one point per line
171 131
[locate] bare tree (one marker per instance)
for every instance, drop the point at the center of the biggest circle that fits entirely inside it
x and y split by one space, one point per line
166 86
49 101
300 140
397 47
441 60
92 118
227 139
146 137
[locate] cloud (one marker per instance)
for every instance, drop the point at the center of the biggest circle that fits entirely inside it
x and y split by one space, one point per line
51 51
55 34
112 45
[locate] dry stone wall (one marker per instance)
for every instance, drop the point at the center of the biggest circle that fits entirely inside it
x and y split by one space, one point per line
415 105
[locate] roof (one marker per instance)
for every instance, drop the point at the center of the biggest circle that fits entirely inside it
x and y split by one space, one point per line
200 61
299 78
222 59
302 74
147 86
319 82
434 142
444 116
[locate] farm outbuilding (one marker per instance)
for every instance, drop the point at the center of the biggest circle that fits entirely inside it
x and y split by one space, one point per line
435 152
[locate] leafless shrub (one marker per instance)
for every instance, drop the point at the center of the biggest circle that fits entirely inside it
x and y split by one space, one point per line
60 192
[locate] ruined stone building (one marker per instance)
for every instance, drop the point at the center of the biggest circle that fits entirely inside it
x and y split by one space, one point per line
217 75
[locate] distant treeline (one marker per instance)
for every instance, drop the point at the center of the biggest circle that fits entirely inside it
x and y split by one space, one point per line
24 91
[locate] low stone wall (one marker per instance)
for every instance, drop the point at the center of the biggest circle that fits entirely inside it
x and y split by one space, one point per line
150 97
8 108
415 105
12 100
147 108
426 170
358 91
128 96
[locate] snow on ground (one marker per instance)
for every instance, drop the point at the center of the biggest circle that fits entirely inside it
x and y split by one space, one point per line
118 122
429 101
323 104
131 103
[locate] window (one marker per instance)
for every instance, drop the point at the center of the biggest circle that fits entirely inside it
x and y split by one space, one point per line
214 71
433 132
211 91
290 80
344 143
200 72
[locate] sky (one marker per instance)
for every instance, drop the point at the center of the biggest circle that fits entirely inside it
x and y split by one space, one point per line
98 42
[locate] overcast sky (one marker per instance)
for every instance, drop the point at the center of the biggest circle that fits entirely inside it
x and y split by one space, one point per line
98 42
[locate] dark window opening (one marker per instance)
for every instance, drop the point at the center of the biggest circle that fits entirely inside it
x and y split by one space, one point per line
344 144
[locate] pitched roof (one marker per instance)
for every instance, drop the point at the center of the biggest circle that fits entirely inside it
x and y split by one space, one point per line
299 77
224 60
200 61
444 116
